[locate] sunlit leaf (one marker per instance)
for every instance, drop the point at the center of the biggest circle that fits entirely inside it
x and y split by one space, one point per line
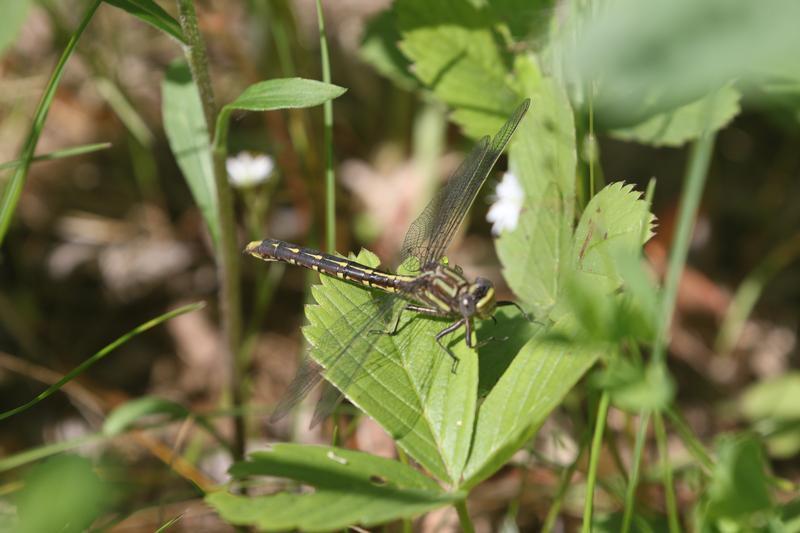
686 123
405 381
189 140
774 407
455 51
285 93
542 157
379 48
350 488
534 384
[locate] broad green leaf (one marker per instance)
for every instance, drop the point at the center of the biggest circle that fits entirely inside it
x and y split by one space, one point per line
534 384
62 494
379 48
151 13
542 157
615 222
774 407
686 123
128 414
455 51
12 17
683 49
189 140
285 93
739 488
405 381
350 488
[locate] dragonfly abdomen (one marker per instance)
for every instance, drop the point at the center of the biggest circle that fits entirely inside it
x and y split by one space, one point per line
332 265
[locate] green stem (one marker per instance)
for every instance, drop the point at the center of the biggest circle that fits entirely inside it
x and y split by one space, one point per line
59 154
227 253
699 161
463 517
330 190
633 478
691 442
594 459
13 190
669 490
563 485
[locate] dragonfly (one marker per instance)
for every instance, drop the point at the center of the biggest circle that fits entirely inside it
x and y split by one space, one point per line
434 288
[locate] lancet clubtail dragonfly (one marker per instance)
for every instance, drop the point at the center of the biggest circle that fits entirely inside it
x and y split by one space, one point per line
435 290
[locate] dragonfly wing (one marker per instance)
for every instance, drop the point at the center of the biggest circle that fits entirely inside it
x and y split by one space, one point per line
430 234
308 376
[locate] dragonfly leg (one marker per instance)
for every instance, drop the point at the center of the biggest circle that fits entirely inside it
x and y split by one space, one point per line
410 307
506 303
449 329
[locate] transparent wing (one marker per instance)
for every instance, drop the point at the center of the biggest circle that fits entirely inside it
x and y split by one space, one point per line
430 234
348 342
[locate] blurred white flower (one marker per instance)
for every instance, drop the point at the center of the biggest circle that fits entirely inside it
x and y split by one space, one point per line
246 170
506 204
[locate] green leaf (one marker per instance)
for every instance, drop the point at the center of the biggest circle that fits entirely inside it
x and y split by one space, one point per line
534 384
151 13
683 49
189 140
285 93
615 222
62 494
774 406
129 413
350 488
685 123
454 48
379 49
739 488
542 157
12 17
406 382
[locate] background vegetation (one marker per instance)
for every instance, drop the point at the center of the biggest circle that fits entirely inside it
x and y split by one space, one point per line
141 354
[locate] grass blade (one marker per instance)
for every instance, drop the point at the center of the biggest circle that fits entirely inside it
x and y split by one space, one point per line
59 154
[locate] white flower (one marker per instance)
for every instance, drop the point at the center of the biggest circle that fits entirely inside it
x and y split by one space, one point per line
506 204
246 170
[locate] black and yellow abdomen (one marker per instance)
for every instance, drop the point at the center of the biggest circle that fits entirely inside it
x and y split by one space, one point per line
331 265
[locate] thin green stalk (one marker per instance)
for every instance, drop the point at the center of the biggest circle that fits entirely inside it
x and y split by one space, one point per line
72 374
463 517
330 190
694 445
669 489
633 478
59 154
699 161
227 252
594 459
13 189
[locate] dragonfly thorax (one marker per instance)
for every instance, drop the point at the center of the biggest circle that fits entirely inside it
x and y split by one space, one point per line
478 299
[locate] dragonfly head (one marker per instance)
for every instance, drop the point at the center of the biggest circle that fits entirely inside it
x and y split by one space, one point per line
478 299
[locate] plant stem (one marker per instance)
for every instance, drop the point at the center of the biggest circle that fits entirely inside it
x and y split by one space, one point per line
563 485
227 254
699 160
669 491
13 189
463 517
594 459
330 190
689 440
633 478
